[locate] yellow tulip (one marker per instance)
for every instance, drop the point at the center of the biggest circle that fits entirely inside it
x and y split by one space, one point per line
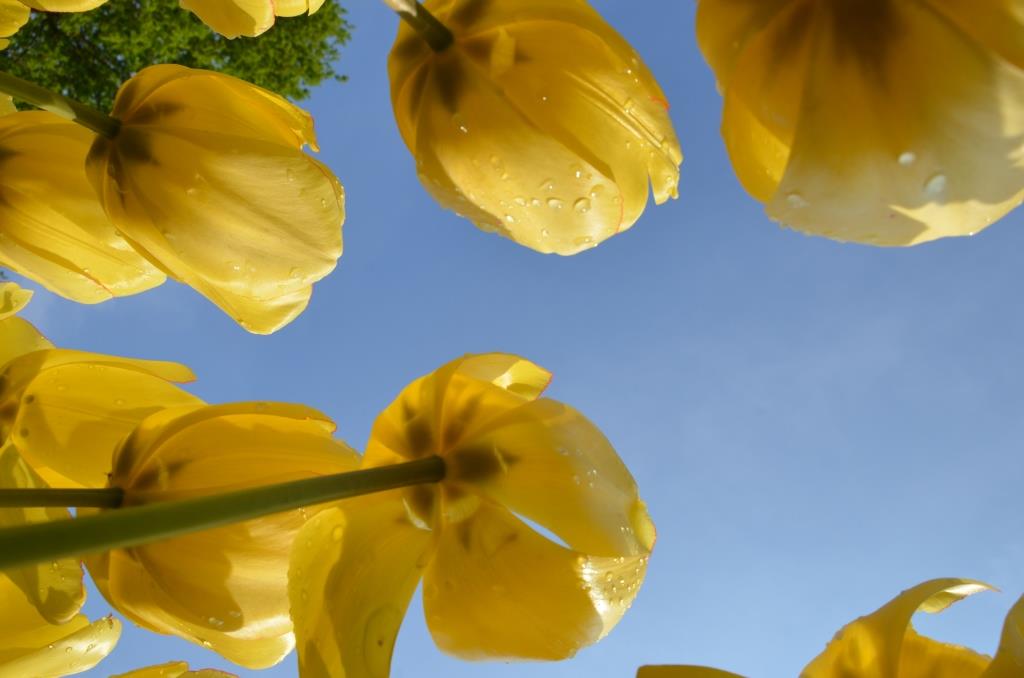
884 644
225 588
232 18
66 411
173 670
13 15
17 336
539 122
55 231
882 122
54 588
493 586
63 5
32 647
207 179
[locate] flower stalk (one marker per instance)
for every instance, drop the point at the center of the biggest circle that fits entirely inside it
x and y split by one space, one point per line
137 525
435 33
51 101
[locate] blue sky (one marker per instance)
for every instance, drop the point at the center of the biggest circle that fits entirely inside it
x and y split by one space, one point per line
814 426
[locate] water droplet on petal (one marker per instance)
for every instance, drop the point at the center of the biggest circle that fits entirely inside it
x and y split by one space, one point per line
907 159
555 203
582 205
935 185
795 200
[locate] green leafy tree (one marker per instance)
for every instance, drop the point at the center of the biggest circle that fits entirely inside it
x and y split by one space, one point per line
88 55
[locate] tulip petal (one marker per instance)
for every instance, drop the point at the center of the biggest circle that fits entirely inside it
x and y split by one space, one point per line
189 599
353 571
683 672
762 98
510 372
13 15
30 646
54 588
233 18
13 298
220 195
63 5
883 644
74 408
220 448
602 102
296 7
173 670
497 589
930 146
560 471
18 337
725 30
61 239
996 24
1009 659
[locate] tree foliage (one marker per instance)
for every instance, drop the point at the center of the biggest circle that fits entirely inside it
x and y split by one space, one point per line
88 55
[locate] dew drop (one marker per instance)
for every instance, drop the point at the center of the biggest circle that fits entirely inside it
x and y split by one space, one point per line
907 159
545 233
582 205
935 185
795 200
555 203
510 219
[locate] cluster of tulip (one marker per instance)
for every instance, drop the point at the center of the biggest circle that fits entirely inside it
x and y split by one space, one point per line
481 446
535 120
230 525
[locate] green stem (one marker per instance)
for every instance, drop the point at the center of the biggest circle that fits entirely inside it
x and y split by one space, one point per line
48 100
127 527
108 497
435 33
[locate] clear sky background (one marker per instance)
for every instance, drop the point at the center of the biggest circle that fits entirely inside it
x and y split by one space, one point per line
815 426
